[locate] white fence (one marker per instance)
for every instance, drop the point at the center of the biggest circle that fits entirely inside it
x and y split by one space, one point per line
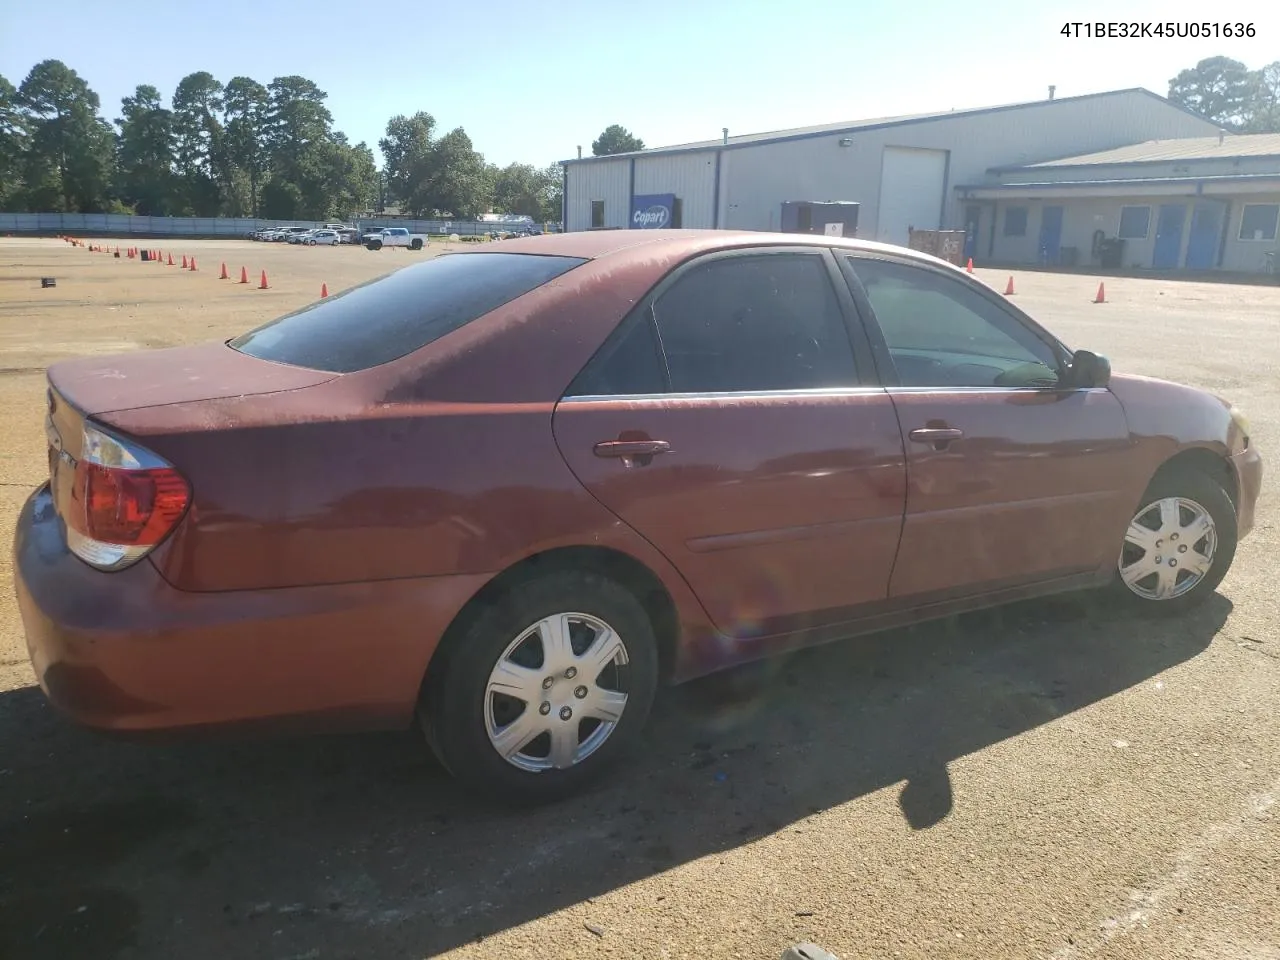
111 224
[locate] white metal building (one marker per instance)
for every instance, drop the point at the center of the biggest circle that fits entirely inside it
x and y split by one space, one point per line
902 170
1203 203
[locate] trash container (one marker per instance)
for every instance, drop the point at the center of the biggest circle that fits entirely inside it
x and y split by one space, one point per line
1111 253
146 255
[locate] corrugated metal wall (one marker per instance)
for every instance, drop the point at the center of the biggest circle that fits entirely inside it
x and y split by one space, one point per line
690 176
607 180
758 179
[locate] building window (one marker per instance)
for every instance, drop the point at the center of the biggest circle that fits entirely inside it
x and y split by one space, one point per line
597 214
1258 222
1015 221
1135 223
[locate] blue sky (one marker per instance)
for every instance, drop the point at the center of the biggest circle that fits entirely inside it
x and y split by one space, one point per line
530 81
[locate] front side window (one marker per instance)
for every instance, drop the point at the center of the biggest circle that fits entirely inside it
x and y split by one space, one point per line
754 323
940 333
390 317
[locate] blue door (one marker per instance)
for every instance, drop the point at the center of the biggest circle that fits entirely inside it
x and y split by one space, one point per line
1050 234
1206 231
1169 236
972 215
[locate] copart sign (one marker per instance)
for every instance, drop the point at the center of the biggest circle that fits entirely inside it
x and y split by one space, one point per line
652 212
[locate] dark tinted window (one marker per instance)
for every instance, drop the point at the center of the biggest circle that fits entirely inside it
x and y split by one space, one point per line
630 364
387 318
940 333
751 323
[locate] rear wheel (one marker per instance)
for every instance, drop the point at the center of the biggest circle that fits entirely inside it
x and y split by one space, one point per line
545 689
415 244
1178 546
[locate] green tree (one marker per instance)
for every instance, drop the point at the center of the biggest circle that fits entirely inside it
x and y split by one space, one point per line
12 146
434 175
615 139
529 191
145 153
296 119
70 150
200 143
1264 110
247 106
1218 88
281 200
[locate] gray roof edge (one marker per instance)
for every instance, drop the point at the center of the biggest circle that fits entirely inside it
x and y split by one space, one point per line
1130 181
854 127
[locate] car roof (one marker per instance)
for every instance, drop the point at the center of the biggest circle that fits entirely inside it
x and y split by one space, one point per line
596 244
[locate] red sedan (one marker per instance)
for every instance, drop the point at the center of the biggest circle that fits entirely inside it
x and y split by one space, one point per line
512 490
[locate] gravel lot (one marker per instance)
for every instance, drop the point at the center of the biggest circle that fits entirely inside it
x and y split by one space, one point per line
1042 781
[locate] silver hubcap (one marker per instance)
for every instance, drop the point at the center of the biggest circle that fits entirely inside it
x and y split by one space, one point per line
557 692
1168 548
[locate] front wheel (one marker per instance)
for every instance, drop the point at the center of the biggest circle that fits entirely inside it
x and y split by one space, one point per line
1178 546
545 689
374 245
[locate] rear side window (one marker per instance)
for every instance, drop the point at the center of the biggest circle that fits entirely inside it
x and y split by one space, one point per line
387 318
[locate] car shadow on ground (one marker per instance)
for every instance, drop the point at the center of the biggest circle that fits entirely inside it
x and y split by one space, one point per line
361 847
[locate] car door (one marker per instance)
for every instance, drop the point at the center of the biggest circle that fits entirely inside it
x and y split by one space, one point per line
727 422
1013 475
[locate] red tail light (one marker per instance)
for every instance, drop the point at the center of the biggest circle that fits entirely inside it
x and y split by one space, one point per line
124 501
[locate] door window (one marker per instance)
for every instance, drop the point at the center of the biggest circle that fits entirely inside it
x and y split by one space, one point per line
940 333
754 323
737 324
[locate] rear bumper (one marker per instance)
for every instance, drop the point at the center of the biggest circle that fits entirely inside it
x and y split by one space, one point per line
1248 467
126 651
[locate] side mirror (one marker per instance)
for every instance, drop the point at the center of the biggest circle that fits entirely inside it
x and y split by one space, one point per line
1088 369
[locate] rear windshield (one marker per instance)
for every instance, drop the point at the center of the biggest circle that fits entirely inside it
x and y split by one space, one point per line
384 319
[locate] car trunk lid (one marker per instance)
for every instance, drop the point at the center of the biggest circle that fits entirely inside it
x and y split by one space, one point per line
149 378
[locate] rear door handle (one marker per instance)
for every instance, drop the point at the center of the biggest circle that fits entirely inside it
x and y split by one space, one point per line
631 448
938 436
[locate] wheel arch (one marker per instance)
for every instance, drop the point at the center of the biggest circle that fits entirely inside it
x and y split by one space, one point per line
1204 461
635 576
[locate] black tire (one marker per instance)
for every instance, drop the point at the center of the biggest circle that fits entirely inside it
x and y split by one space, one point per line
415 245
453 707
374 245
1198 487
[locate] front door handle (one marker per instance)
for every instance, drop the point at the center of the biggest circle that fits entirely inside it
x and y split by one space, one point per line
939 437
631 448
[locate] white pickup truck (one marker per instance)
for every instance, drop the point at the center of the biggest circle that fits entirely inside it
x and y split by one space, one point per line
393 237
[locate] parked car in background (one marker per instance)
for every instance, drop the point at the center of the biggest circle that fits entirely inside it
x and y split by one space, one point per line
288 233
395 237
299 236
324 238
573 467
349 235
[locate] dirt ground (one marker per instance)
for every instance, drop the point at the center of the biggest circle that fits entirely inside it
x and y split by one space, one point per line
1041 781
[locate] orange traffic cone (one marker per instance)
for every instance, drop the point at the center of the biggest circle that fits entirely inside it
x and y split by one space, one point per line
262 285
324 290
171 259
244 275
193 264
1102 294
968 267
184 261
224 276
1008 290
